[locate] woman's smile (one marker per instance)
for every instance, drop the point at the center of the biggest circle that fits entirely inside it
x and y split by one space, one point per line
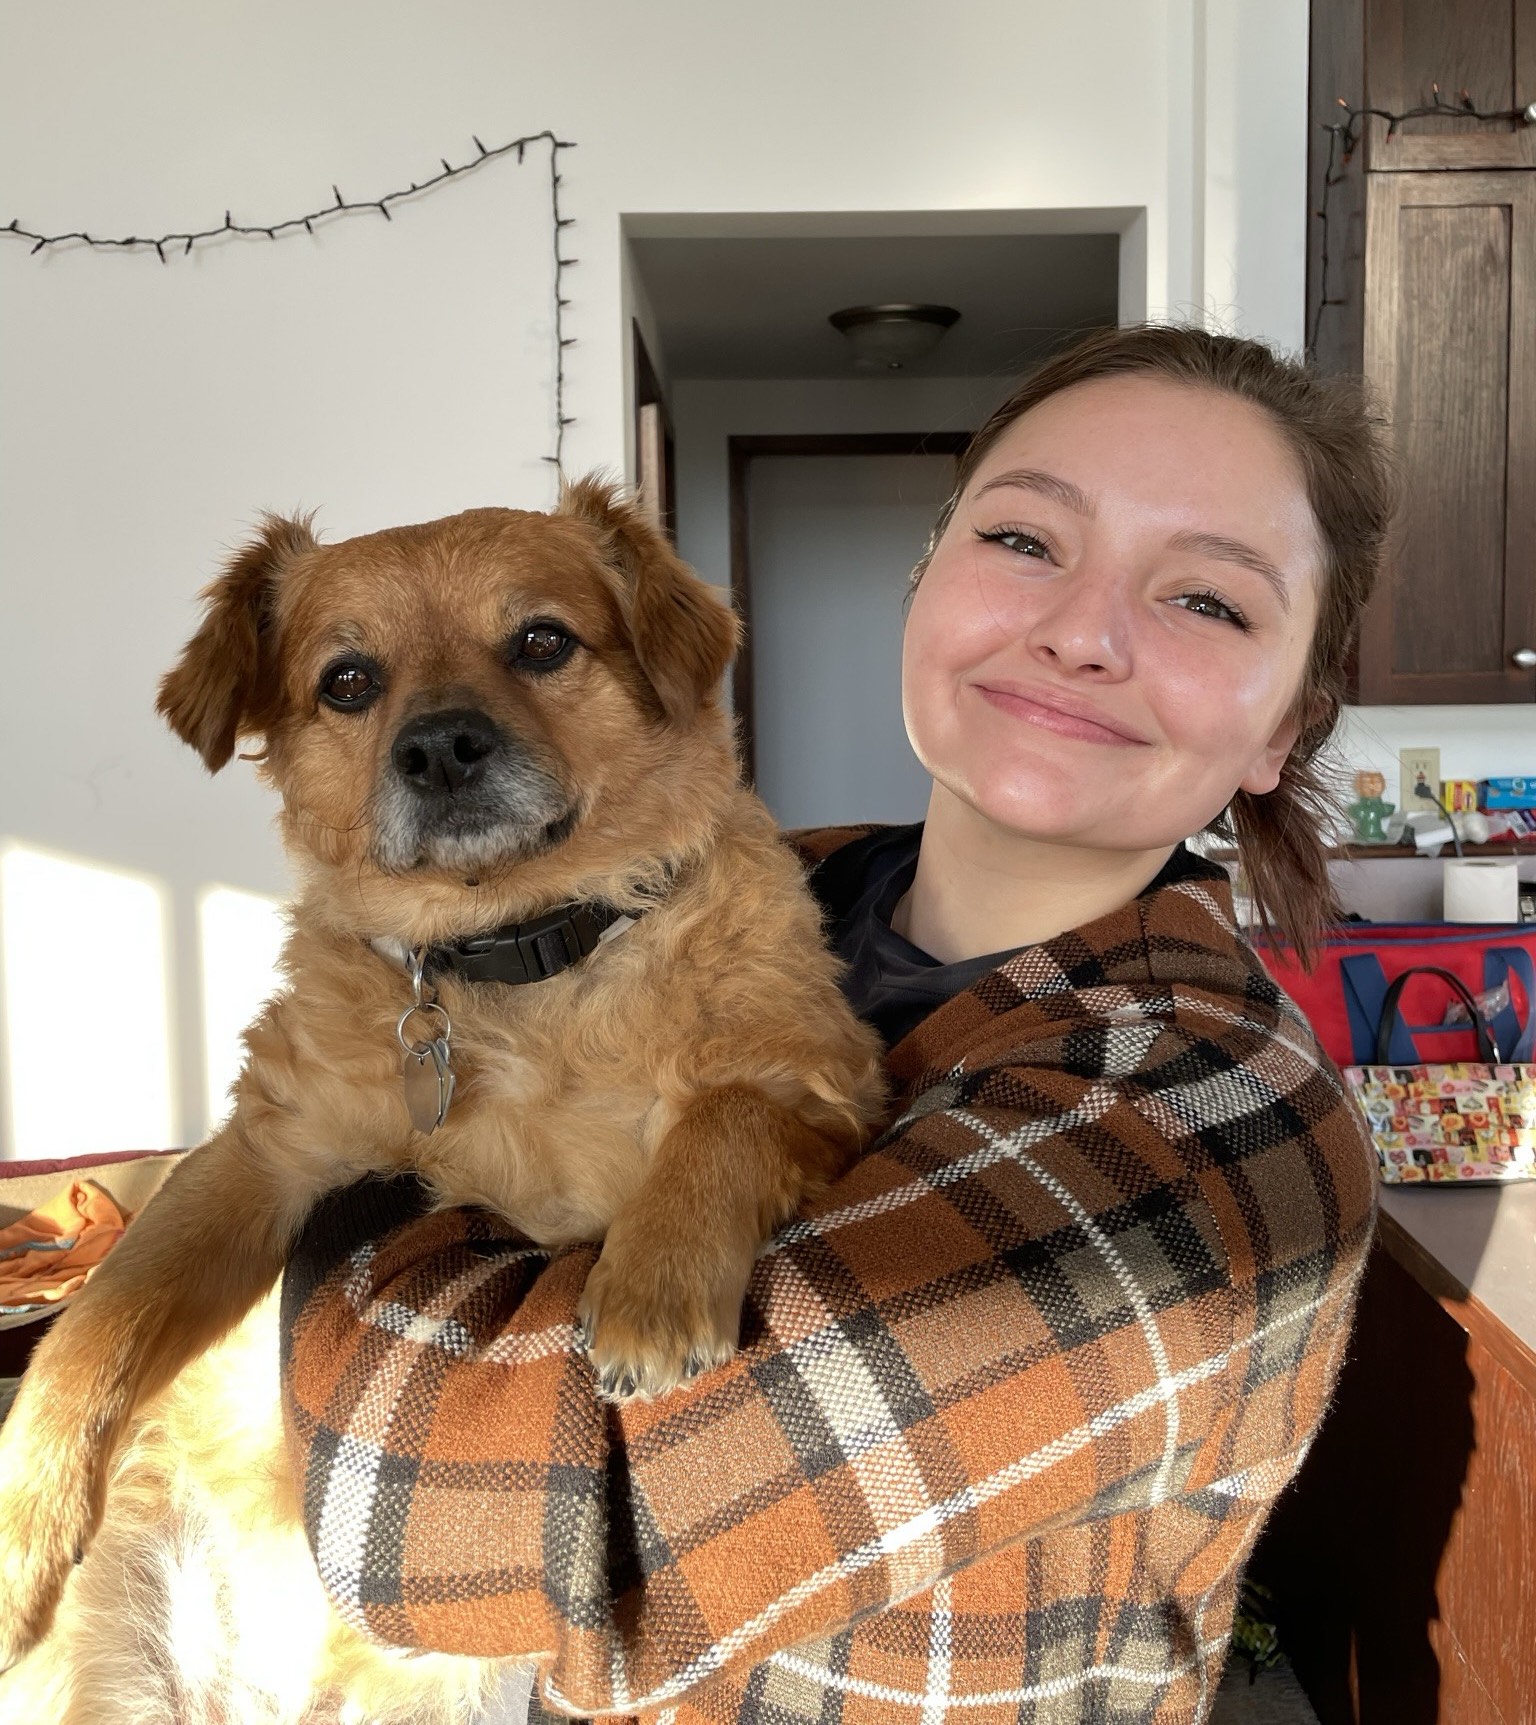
1052 711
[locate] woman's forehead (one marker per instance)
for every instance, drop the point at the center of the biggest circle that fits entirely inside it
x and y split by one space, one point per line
1197 455
1114 428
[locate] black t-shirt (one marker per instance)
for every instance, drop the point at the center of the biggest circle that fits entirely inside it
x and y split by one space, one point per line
890 983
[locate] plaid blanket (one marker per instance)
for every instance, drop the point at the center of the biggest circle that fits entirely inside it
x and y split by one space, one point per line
1011 1406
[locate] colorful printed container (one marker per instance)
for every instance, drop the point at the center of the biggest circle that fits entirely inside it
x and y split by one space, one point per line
1454 1123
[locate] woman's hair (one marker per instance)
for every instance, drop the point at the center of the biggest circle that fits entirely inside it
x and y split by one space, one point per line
1281 836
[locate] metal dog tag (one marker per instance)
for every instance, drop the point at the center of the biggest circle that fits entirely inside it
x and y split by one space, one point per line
428 1069
429 1082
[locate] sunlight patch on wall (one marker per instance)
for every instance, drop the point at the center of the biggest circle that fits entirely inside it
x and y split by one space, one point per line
240 935
88 1047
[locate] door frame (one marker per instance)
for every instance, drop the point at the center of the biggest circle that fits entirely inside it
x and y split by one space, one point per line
655 444
741 452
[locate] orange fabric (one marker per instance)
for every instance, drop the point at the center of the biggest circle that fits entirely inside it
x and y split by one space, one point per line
47 1255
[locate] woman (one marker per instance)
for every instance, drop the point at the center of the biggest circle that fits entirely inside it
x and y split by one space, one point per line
1013 1403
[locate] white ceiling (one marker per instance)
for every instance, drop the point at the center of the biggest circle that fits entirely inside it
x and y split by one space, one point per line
741 307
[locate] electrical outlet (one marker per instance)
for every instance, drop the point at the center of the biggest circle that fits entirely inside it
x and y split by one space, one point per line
1416 766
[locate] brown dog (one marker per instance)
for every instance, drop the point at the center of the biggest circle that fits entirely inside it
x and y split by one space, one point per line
472 723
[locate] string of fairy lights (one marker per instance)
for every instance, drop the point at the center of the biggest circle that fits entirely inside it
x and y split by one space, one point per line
1344 139
169 246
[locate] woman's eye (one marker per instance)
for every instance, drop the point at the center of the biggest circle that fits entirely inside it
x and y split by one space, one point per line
541 646
1205 604
348 687
1016 540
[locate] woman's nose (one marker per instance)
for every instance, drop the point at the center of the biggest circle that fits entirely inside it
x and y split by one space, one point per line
1084 626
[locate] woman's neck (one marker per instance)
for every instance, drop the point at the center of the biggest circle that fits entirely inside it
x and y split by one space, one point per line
981 889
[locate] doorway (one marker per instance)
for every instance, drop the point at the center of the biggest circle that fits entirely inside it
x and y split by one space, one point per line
825 531
801 479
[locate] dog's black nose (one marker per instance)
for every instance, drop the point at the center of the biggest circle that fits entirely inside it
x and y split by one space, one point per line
445 751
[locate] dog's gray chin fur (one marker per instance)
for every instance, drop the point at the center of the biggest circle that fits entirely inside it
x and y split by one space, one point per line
517 814
466 852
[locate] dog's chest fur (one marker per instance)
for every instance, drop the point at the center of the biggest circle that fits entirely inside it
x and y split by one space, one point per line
564 1087
556 1117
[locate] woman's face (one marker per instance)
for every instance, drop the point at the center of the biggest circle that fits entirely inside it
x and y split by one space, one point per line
1113 628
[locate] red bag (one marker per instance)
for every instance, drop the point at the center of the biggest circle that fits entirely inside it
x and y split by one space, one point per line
1344 995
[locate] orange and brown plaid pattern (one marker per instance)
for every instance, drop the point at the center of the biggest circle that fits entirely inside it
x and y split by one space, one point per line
1010 1408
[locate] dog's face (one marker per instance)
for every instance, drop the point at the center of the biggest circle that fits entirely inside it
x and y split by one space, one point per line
448 704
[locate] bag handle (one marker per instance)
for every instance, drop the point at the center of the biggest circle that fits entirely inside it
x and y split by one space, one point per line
1499 963
1365 989
1487 1048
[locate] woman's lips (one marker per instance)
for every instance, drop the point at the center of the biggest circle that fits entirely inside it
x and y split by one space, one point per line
1052 719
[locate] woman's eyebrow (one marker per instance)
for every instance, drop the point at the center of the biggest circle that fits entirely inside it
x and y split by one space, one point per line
1234 551
1050 485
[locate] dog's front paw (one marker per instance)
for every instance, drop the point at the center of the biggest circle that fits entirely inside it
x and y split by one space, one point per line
47 1518
653 1319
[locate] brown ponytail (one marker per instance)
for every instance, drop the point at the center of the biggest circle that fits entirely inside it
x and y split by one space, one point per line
1281 837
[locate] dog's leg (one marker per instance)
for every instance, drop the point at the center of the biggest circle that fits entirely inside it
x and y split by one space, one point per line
209 1244
664 1299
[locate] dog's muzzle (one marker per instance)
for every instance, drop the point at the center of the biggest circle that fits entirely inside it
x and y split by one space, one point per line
460 792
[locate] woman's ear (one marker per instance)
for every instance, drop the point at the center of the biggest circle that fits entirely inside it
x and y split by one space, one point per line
683 633
1263 774
227 682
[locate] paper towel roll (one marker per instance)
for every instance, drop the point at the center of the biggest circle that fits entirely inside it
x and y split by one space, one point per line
1482 889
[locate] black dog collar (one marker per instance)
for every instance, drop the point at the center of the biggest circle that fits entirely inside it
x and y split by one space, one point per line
529 951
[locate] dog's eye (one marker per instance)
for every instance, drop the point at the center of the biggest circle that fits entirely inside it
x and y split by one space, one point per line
541 646
349 686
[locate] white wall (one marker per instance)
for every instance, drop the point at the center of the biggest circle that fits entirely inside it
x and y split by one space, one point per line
1474 742
388 372
1246 72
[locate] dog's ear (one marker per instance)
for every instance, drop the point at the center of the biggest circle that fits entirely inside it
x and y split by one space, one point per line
226 681
683 632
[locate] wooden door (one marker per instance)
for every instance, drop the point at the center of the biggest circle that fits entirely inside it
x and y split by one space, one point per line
832 541
1485 47
1450 350
743 453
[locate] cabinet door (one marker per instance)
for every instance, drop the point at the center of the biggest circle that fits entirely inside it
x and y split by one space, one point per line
1485 47
1450 351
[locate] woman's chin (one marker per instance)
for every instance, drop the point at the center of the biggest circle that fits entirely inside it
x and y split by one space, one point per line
1035 809
1034 797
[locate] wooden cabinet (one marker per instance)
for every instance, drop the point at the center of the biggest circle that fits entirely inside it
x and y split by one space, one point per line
1485 47
1450 348
1428 265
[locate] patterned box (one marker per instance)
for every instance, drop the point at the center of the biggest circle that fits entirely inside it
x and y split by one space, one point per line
1451 1124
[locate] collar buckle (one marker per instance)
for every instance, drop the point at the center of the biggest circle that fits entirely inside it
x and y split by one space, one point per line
529 951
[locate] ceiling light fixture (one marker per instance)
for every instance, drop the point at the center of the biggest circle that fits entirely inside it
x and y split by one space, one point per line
891 337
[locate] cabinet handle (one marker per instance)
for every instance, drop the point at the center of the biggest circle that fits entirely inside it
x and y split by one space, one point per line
1524 657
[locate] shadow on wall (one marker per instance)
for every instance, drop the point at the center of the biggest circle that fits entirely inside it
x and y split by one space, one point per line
91 1052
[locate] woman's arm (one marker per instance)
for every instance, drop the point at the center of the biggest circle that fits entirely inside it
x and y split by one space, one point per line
1107 1272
